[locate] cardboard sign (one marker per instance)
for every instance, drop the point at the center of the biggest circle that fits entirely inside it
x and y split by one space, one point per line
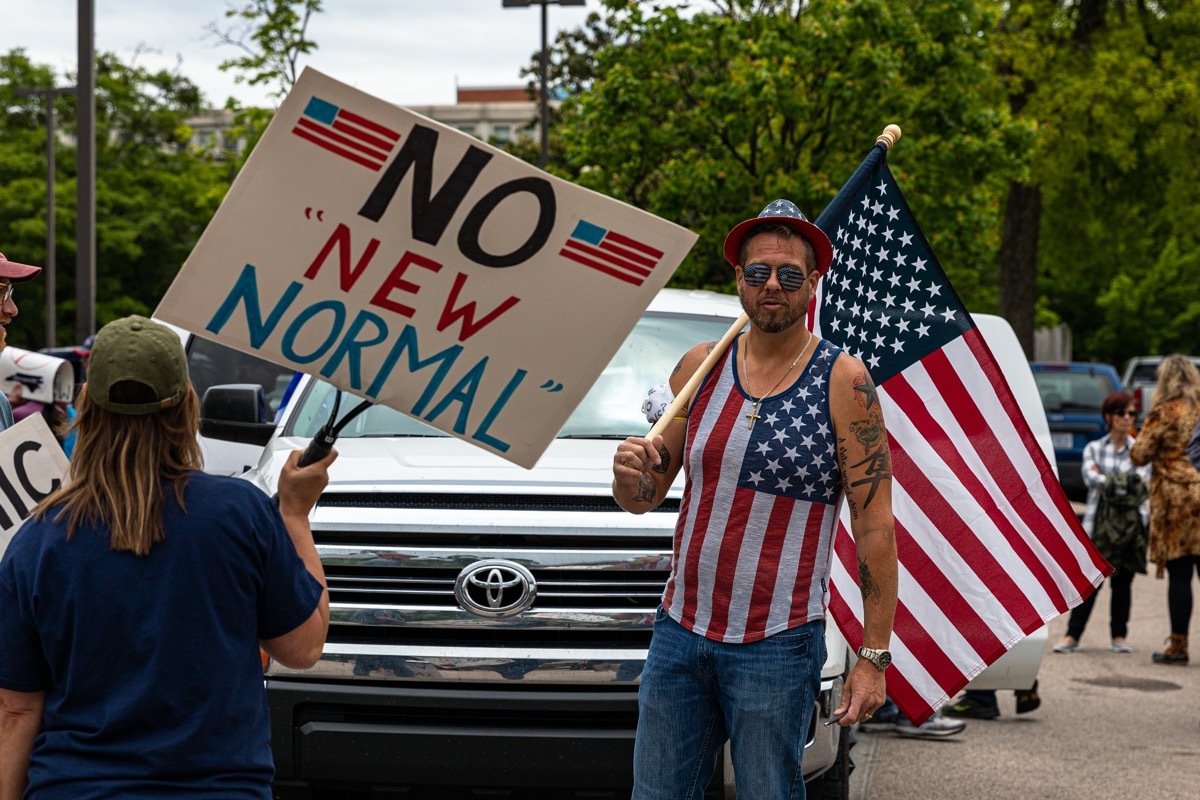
46 379
32 465
411 264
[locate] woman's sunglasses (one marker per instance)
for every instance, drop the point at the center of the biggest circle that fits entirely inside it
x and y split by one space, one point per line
790 279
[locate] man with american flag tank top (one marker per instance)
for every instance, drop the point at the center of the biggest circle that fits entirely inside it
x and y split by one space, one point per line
783 428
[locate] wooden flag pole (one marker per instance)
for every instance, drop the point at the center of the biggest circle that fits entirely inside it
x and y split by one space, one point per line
689 388
889 137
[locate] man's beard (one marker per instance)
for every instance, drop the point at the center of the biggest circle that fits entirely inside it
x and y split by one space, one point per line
772 321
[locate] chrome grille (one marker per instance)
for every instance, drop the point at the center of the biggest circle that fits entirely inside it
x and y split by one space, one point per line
558 589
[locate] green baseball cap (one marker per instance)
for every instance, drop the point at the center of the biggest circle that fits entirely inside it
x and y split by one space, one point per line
139 350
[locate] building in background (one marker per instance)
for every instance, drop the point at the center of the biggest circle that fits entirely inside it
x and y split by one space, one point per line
493 114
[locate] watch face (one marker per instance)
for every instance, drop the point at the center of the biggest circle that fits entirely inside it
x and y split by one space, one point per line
885 659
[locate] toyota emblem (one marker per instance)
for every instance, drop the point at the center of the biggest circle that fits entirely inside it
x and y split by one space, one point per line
495 588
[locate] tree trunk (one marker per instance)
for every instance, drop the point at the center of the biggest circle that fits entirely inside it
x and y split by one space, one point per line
1018 261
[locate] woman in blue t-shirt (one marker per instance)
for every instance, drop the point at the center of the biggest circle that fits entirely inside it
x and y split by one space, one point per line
137 595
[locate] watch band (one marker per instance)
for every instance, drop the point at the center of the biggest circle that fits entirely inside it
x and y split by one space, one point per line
881 659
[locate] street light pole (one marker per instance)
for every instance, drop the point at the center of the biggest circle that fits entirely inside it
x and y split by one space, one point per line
544 115
49 270
543 69
85 169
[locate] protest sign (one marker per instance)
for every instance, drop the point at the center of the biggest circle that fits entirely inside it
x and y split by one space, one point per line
413 265
46 379
32 465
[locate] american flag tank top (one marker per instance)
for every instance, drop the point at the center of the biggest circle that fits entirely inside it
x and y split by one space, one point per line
760 505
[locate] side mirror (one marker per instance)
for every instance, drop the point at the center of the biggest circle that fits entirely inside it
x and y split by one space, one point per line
236 412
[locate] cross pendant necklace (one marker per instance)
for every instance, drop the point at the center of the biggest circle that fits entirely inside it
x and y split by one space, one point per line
754 416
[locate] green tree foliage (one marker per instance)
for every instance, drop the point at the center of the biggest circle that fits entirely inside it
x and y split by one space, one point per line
273 37
154 193
704 118
1111 88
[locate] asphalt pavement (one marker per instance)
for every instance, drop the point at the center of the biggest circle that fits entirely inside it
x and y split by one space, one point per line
1110 726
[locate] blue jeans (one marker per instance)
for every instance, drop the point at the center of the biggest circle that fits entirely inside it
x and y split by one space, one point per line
696 694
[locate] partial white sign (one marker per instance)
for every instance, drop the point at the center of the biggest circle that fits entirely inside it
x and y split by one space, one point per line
416 266
32 465
46 379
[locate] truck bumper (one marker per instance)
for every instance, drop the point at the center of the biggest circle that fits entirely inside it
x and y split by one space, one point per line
326 734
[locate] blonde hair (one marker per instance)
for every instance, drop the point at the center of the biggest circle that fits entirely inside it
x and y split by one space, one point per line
1178 379
121 466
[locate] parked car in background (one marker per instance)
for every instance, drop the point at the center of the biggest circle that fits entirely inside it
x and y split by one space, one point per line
1072 394
1141 376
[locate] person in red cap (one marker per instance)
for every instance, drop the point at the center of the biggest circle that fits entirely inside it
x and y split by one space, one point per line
783 428
11 273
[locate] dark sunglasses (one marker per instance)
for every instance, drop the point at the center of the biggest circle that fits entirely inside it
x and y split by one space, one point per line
790 279
1125 414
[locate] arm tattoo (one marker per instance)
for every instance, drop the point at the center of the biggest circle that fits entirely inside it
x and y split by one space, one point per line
866 584
863 385
709 347
647 490
666 460
878 463
678 367
844 463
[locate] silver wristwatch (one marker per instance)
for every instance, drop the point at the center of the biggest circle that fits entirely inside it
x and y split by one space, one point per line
880 658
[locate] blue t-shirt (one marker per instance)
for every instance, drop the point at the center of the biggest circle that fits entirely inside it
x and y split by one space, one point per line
150 664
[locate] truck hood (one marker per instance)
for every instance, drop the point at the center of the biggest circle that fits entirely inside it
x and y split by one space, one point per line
569 466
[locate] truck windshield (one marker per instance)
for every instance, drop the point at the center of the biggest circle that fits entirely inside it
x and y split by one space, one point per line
611 409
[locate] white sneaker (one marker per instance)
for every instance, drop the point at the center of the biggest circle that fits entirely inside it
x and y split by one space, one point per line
932 728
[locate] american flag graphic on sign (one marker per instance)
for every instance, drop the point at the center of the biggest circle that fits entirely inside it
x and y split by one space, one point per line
343 133
989 547
618 256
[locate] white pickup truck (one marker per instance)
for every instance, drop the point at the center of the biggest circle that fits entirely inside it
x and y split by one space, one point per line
489 623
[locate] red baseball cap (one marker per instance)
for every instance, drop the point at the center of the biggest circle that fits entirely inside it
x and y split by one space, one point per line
17 273
786 212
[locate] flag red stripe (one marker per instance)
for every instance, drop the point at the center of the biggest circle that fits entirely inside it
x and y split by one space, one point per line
606 257
726 418
981 434
727 561
607 270
957 531
768 565
635 244
945 595
607 244
350 116
808 561
910 630
360 135
1066 519
355 157
336 138
694 415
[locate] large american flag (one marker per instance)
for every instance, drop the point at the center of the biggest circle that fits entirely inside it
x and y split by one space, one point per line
989 547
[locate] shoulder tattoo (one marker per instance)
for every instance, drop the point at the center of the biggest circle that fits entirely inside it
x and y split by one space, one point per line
864 390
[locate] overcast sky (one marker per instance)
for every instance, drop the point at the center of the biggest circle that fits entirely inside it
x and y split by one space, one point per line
409 52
